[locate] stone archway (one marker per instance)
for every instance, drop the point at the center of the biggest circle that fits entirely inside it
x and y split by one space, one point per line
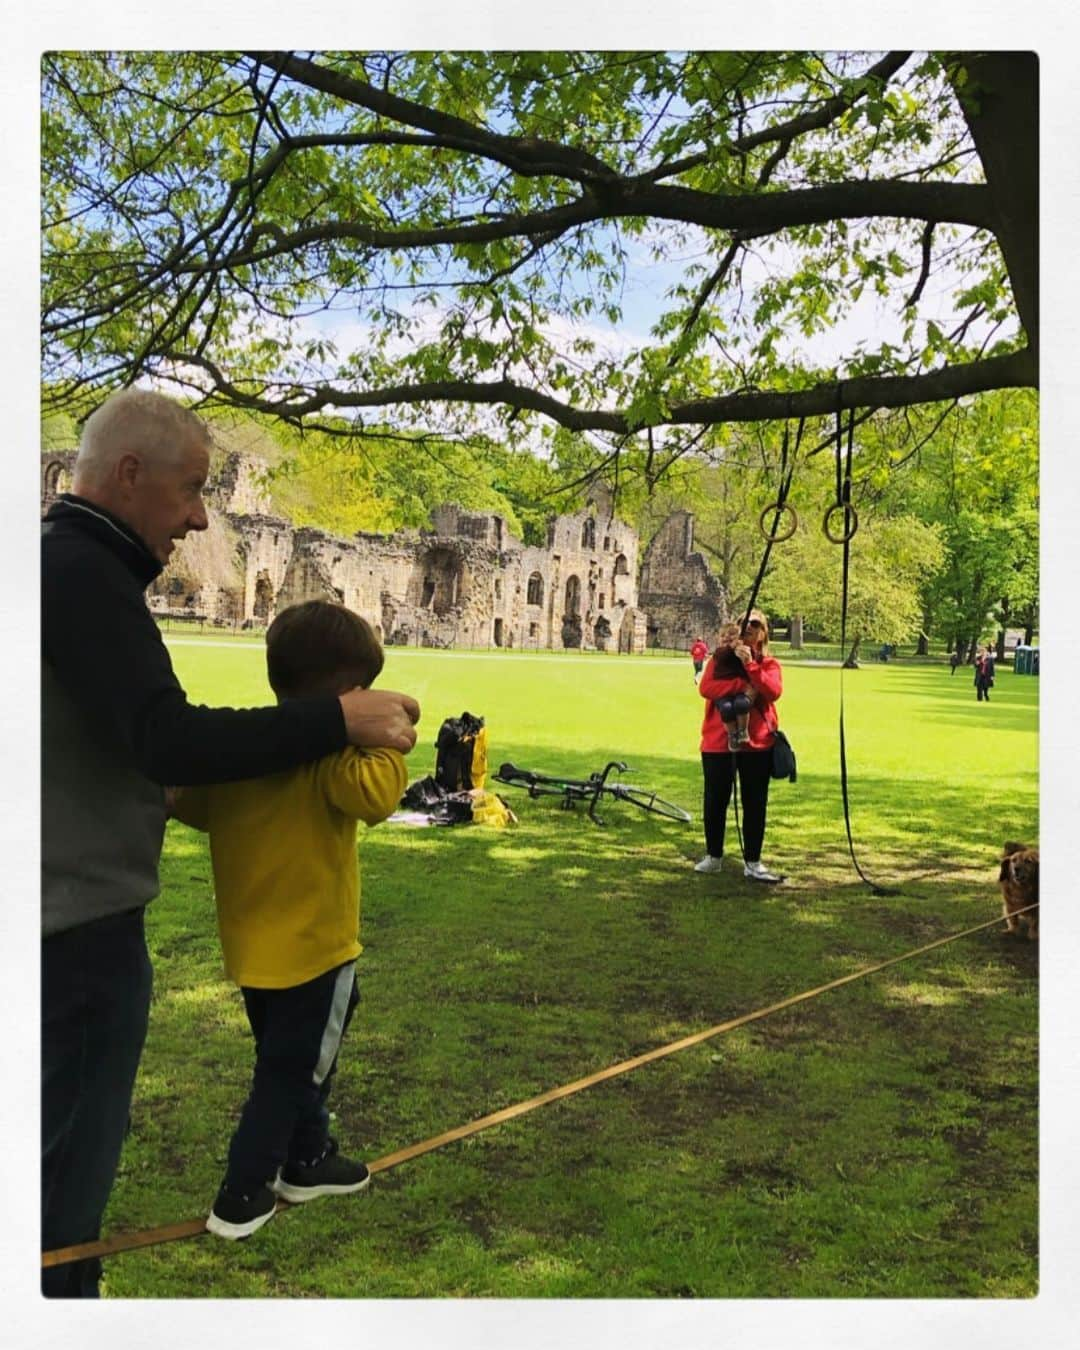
264 598
573 595
441 581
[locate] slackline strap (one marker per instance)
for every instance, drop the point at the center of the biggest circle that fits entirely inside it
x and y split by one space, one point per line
152 1237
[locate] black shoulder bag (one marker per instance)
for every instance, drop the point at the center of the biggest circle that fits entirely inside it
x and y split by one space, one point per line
783 757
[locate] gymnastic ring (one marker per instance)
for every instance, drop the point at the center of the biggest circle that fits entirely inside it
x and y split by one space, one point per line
840 538
780 508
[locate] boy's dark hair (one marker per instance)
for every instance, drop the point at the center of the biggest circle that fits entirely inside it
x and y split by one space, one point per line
316 647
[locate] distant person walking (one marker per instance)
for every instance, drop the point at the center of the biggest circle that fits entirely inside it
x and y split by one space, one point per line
984 674
698 652
954 661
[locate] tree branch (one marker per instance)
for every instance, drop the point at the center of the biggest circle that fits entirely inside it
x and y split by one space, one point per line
829 111
959 203
526 155
1015 370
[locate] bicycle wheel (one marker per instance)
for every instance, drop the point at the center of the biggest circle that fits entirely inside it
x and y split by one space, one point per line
649 801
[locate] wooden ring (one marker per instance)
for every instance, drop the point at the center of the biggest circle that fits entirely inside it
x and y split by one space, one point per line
840 538
780 508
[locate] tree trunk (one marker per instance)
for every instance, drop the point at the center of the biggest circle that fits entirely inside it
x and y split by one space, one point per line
1029 633
851 662
795 637
923 647
1000 102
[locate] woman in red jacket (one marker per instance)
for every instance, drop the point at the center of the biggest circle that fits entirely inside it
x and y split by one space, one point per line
740 665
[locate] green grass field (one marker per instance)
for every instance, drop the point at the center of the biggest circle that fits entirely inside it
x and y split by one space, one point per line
877 1141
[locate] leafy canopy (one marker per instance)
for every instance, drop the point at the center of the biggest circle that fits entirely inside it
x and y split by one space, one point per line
455 239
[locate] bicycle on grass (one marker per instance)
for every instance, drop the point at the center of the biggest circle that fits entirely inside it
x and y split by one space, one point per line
591 789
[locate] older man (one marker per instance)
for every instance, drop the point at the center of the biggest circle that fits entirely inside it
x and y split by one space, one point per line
116 727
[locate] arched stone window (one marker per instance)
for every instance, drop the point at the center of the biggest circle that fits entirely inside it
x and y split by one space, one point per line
622 567
588 534
535 594
573 595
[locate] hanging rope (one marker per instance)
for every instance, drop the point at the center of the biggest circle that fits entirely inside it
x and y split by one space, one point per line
778 508
851 524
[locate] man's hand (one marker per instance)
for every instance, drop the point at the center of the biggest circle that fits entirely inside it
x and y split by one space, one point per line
380 719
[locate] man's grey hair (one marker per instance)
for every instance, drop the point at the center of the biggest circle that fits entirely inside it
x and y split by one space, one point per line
137 421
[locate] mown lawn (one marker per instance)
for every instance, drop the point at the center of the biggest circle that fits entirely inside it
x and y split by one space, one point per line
878 1141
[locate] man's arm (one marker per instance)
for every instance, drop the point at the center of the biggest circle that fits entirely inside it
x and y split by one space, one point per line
106 651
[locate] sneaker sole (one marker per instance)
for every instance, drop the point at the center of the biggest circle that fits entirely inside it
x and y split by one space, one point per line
296 1195
235 1232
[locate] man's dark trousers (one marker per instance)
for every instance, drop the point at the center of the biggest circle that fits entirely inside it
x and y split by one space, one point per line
95 990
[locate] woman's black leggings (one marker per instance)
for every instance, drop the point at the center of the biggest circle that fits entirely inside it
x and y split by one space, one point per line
753 768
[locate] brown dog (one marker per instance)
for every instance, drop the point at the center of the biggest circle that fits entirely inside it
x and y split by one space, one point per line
1019 879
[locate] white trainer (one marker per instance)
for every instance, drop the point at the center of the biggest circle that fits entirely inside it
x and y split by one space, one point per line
709 864
757 871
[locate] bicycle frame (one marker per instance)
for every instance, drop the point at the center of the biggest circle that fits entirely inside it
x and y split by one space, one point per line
591 789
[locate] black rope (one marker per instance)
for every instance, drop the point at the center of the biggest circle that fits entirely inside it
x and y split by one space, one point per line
843 498
787 471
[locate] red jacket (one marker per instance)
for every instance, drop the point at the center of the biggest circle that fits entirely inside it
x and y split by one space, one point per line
699 651
768 682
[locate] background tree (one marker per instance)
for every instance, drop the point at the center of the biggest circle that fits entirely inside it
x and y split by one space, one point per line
890 560
473 213
977 477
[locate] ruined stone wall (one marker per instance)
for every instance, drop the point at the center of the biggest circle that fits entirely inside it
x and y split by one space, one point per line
592 578
466 582
236 486
681 596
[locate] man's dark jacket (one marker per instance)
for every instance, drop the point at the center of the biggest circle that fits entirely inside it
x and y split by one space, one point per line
116 725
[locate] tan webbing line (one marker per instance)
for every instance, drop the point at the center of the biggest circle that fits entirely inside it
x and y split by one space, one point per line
194 1227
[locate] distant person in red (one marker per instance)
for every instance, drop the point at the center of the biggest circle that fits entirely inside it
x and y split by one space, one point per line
698 653
761 673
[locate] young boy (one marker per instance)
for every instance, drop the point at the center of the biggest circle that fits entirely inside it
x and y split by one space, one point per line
735 709
288 899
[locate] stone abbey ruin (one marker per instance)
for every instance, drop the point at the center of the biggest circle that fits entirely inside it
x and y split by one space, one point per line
466 582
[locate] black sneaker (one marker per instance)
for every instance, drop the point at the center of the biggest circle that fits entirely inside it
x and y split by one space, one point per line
237 1216
329 1175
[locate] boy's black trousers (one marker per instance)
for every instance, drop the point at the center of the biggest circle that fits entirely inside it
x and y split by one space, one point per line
298 1033
754 767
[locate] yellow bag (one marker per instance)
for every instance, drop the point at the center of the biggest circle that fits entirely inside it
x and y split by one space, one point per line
478 769
490 809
